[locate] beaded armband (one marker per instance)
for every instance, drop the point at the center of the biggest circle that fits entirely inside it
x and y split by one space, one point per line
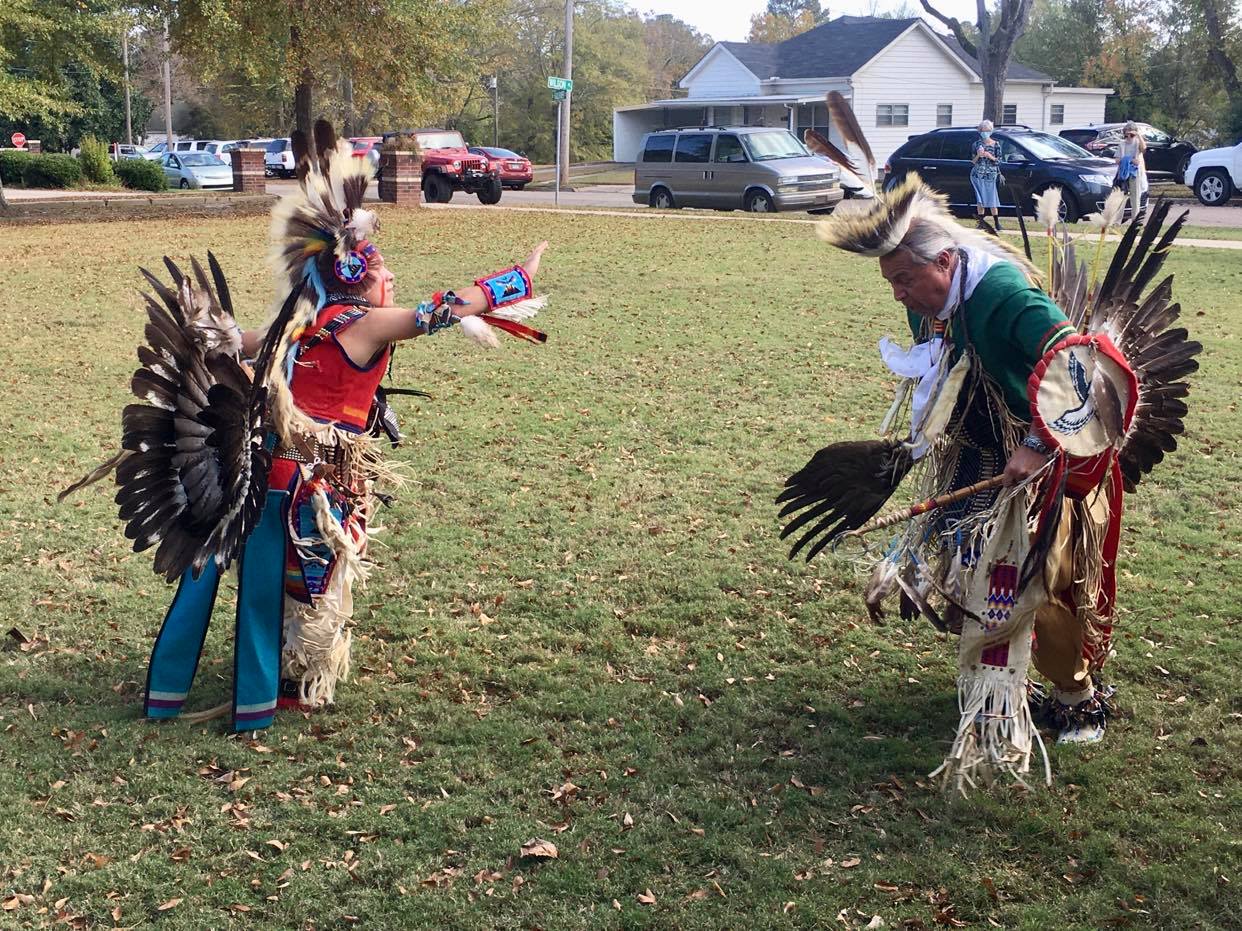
1035 443
506 287
437 314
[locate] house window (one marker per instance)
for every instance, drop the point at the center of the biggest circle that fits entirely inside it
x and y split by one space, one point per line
892 114
1056 114
1009 114
944 114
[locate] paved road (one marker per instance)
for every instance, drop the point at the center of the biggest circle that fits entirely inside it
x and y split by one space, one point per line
614 196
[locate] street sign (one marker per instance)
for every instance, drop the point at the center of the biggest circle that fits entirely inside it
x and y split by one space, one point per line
18 140
560 95
560 84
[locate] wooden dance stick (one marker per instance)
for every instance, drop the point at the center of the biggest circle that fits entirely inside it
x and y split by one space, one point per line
930 504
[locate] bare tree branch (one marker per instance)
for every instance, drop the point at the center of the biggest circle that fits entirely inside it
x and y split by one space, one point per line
955 26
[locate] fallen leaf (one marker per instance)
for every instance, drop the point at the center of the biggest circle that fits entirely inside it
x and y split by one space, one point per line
171 903
98 861
542 849
277 844
850 863
627 822
876 922
647 898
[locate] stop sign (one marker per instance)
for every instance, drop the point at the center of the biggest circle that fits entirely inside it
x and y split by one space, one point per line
18 140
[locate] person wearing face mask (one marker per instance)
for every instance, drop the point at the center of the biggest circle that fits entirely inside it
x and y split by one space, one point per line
984 173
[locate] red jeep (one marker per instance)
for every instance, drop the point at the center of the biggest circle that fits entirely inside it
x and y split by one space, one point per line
448 167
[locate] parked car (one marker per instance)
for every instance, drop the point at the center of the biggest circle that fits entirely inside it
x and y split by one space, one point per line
123 150
448 166
368 147
197 170
1031 162
1215 175
156 152
278 160
749 168
515 170
1165 155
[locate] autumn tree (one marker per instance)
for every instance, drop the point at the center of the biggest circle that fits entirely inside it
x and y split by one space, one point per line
997 31
784 19
673 48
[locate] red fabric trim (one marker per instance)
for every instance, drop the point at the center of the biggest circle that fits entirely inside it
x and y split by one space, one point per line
513 328
1103 344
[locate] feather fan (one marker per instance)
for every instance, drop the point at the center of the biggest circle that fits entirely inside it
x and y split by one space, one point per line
842 116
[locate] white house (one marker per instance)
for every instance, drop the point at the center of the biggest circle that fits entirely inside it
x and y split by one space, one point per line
901 77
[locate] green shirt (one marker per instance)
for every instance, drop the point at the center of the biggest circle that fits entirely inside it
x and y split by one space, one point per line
1010 323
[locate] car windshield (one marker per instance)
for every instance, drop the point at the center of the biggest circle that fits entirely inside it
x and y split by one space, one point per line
200 160
501 153
362 145
277 145
1053 148
443 140
775 144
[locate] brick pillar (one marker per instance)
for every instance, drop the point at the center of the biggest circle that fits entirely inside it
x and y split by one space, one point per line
248 171
400 178
34 145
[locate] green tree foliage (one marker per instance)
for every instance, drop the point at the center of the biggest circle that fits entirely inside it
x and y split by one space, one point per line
1158 58
60 70
673 48
96 164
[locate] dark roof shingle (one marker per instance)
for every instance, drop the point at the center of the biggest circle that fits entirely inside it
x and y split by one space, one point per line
840 47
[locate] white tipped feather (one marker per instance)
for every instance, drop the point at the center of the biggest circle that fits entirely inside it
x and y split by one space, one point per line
1048 208
364 223
522 310
480 332
1110 216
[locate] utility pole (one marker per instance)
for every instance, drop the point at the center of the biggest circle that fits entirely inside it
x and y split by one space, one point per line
495 89
569 73
129 122
168 133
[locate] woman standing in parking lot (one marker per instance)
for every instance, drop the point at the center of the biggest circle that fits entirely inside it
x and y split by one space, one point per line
1132 166
984 173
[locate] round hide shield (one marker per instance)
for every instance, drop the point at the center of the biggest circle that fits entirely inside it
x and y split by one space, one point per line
1082 396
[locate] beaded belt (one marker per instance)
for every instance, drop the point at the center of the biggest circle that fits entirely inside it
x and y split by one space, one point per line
339 458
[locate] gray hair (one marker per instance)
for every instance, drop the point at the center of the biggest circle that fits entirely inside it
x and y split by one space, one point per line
985 126
924 242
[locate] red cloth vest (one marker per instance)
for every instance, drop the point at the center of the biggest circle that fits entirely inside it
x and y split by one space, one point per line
328 385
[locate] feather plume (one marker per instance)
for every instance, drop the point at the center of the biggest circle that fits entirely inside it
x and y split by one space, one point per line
842 116
1048 208
878 230
478 331
820 145
522 310
1110 216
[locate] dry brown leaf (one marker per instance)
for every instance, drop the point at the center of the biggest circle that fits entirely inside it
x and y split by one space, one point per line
541 849
171 903
627 821
97 861
277 844
180 855
646 898
850 863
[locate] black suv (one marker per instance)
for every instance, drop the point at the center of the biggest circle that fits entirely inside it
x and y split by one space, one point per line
1165 155
1031 162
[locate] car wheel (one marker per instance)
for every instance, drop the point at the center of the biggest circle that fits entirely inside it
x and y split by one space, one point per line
184 184
1213 188
436 190
759 202
491 194
517 187
1182 167
662 199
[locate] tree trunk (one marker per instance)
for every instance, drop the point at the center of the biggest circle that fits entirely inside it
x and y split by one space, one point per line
999 30
305 85
347 98
1219 57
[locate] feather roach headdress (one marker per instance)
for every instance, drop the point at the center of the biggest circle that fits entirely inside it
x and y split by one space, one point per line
879 229
321 232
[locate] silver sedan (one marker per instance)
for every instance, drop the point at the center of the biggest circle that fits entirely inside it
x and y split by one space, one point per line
196 170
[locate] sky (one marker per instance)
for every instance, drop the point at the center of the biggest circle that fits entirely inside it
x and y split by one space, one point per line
729 20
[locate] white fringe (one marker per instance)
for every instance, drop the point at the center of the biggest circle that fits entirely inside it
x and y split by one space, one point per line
317 636
995 733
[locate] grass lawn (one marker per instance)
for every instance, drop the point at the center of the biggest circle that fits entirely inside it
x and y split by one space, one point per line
583 628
